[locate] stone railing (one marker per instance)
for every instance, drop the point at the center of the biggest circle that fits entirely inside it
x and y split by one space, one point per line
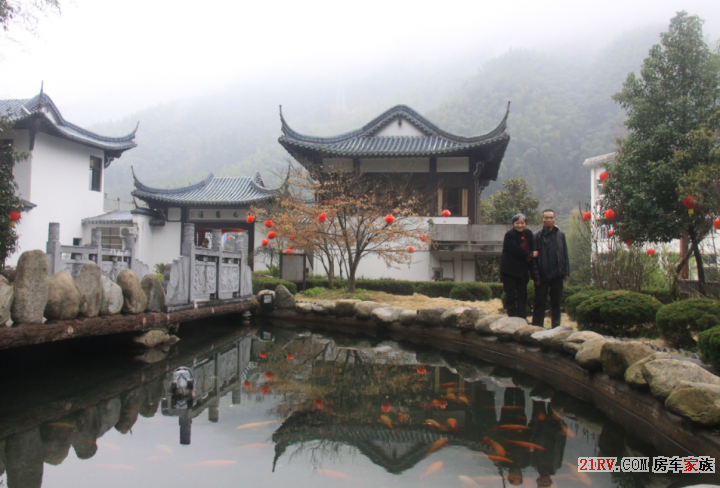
111 261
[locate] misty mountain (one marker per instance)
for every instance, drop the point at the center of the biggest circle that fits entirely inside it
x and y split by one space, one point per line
561 113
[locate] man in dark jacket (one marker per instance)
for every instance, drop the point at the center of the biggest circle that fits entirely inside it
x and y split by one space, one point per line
553 267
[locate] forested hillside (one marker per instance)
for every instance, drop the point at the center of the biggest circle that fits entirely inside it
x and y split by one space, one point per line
561 113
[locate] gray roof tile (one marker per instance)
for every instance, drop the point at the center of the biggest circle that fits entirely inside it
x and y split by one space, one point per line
116 217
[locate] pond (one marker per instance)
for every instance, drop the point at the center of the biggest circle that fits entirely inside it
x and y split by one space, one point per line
294 407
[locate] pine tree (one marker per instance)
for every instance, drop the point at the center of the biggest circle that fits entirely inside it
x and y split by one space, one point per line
8 200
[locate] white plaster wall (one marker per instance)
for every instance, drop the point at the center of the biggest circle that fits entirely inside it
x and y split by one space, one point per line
144 239
59 186
405 129
395 165
23 169
453 165
166 242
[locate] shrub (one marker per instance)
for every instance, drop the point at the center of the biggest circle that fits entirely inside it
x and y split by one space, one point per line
434 289
313 292
676 321
618 313
270 284
709 344
661 294
575 300
470 292
394 287
496 289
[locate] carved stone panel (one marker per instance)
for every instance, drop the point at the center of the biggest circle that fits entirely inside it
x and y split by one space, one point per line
111 269
178 281
229 280
205 279
228 365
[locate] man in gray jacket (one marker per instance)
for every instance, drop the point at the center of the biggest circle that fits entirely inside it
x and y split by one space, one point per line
553 267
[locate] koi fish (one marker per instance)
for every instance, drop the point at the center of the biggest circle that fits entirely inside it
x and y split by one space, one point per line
464 400
108 445
582 477
493 458
385 420
215 464
450 396
512 407
468 482
403 417
526 445
257 424
500 450
452 423
432 423
119 467
437 445
434 468
462 395
448 385
566 432
253 446
511 427
334 474
62 425
541 416
165 448
442 404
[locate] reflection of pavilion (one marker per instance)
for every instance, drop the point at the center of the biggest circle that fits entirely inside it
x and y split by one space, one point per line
215 375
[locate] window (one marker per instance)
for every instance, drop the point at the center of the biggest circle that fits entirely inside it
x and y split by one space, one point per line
77 241
111 238
453 199
95 173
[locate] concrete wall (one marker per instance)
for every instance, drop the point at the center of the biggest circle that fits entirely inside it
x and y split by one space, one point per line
156 244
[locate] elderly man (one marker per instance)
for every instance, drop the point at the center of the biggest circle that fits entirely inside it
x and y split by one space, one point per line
553 267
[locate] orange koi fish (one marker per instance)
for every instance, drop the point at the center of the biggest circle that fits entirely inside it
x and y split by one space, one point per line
500 450
437 445
385 420
462 395
334 474
582 477
463 400
434 468
119 467
432 423
511 427
450 396
555 416
526 445
468 482
215 463
403 417
257 424
566 432
448 385
452 423
541 416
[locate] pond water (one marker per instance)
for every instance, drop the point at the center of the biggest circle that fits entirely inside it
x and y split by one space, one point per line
293 407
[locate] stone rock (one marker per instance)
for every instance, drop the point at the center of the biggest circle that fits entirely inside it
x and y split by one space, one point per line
524 334
506 327
698 402
283 298
408 317
363 310
633 375
265 292
303 307
431 316
112 299
502 377
345 308
154 292
461 317
24 456
151 338
482 325
31 288
574 341
90 285
109 412
543 338
387 315
557 342
430 358
542 392
589 354
324 307
6 299
663 375
617 357
64 298
151 356
134 299
4 280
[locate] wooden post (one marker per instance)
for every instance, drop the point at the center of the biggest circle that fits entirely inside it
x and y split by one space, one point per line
52 249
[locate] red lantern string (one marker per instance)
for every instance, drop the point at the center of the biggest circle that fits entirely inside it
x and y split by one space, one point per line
386 407
272 235
269 223
290 355
319 403
424 237
262 354
690 202
651 252
421 370
389 219
292 238
586 216
446 213
265 242
716 223
604 176
265 389
411 249
14 215
322 217
610 233
250 219
609 214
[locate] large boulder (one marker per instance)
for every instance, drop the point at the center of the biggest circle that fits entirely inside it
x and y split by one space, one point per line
303 307
345 308
574 342
152 338
524 334
408 317
64 298
31 288
387 315
6 299
324 307
461 317
154 293
589 356
506 327
89 283
698 402
134 299
663 375
283 298
431 316
482 324
363 310
557 342
543 338
617 357
634 376
112 299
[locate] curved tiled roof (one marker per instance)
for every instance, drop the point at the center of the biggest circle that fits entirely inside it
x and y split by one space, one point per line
116 217
241 190
23 113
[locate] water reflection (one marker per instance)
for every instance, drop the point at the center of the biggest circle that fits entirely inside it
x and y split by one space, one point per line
423 414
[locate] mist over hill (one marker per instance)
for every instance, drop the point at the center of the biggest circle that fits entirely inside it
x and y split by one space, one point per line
561 113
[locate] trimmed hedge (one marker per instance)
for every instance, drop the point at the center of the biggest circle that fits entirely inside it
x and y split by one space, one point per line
709 345
496 289
574 301
259 284
619 313
432 289
678 320
470 292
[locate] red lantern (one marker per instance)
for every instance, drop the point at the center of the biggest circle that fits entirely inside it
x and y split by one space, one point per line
586 216
609 214
389 219
292 238
411 249
610 233
651 252
269 223
272 235
716 223
424 237
269 375
265 242
290 355
265 389
322 217
288 251
14 215
262 354
421 370
446 213
604 176
690 202
250 219
629 242
319 403
386 407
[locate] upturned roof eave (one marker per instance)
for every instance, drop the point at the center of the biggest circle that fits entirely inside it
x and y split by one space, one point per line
165 201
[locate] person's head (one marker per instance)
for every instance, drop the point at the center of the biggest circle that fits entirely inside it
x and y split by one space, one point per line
519 222
205 243
515 477
548 218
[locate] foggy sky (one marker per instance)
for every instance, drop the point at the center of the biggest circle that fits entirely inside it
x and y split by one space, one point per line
101 60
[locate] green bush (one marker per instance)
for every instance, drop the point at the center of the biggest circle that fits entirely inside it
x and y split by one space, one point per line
270 284
677 321
434 289
661 294
313 292
709 345
471 292
574 301
496 289
619 313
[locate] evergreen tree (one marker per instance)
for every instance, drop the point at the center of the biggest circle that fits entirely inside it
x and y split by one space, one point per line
514 198
8 200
